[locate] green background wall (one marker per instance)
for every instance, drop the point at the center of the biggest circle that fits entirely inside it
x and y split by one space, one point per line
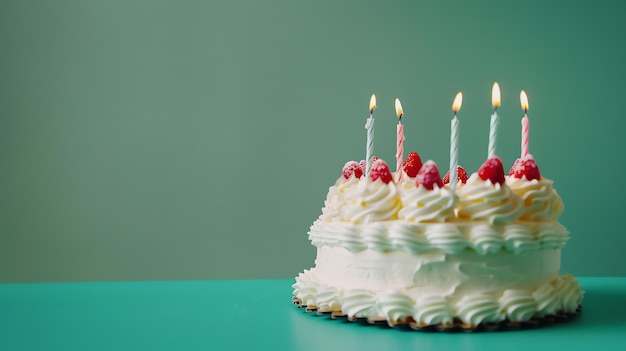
197 139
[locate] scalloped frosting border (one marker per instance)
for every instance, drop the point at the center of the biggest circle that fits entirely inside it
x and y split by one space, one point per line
450 238
562 294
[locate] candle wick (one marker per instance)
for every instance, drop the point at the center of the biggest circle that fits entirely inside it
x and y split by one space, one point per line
400 118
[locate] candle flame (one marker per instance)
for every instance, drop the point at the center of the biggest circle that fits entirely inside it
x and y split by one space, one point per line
523 99
372 103
399 111
495 96
458 101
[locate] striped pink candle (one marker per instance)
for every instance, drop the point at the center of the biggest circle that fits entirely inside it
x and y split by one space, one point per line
369 146
525 122
454 141
399 141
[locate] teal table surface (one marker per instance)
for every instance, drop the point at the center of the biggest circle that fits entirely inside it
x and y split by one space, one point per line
258 315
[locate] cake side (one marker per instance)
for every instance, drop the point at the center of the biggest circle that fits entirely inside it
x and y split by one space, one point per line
556 297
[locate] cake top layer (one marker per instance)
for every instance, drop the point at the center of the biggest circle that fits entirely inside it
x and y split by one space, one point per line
420 195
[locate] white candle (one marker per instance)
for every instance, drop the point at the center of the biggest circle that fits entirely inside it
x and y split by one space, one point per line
399 141
369 125
454 141
495 120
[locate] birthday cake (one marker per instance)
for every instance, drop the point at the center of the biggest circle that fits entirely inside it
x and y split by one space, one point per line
409 247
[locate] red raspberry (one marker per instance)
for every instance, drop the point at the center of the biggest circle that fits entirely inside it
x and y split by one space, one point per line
412 164
350 168
460 175
492 170
380 170
428 176
526 167
446 178
516 167
531 171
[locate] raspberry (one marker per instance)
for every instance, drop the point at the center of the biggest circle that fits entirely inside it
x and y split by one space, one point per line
517 165
380 170
531 171
428 176
492 170
526 167
460 175
412 164
352 168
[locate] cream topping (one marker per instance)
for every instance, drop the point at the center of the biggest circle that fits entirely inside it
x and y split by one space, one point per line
392 251
336 197
571 293
369 201
358 303
394 306
433 310
486 238
547 300
422 205
541 202
518 304
561 294
474 310
482 200
454 237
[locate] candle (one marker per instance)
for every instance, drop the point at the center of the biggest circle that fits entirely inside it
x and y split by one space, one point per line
369 125
495 120
399 141
454 140
524 102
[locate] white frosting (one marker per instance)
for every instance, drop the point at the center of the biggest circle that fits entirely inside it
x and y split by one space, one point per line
435 273
422 205
483 200
393 252
359 200
541 202
335 197
369 201
482 308
433 310
452 237
434 287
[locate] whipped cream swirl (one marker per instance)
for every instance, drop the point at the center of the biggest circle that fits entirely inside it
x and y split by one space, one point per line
358 303
541 201
395 306
483 200
422 205
479 309
434 310
486 239
561 294
369 202
547 299
336 197
519 305
571 293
